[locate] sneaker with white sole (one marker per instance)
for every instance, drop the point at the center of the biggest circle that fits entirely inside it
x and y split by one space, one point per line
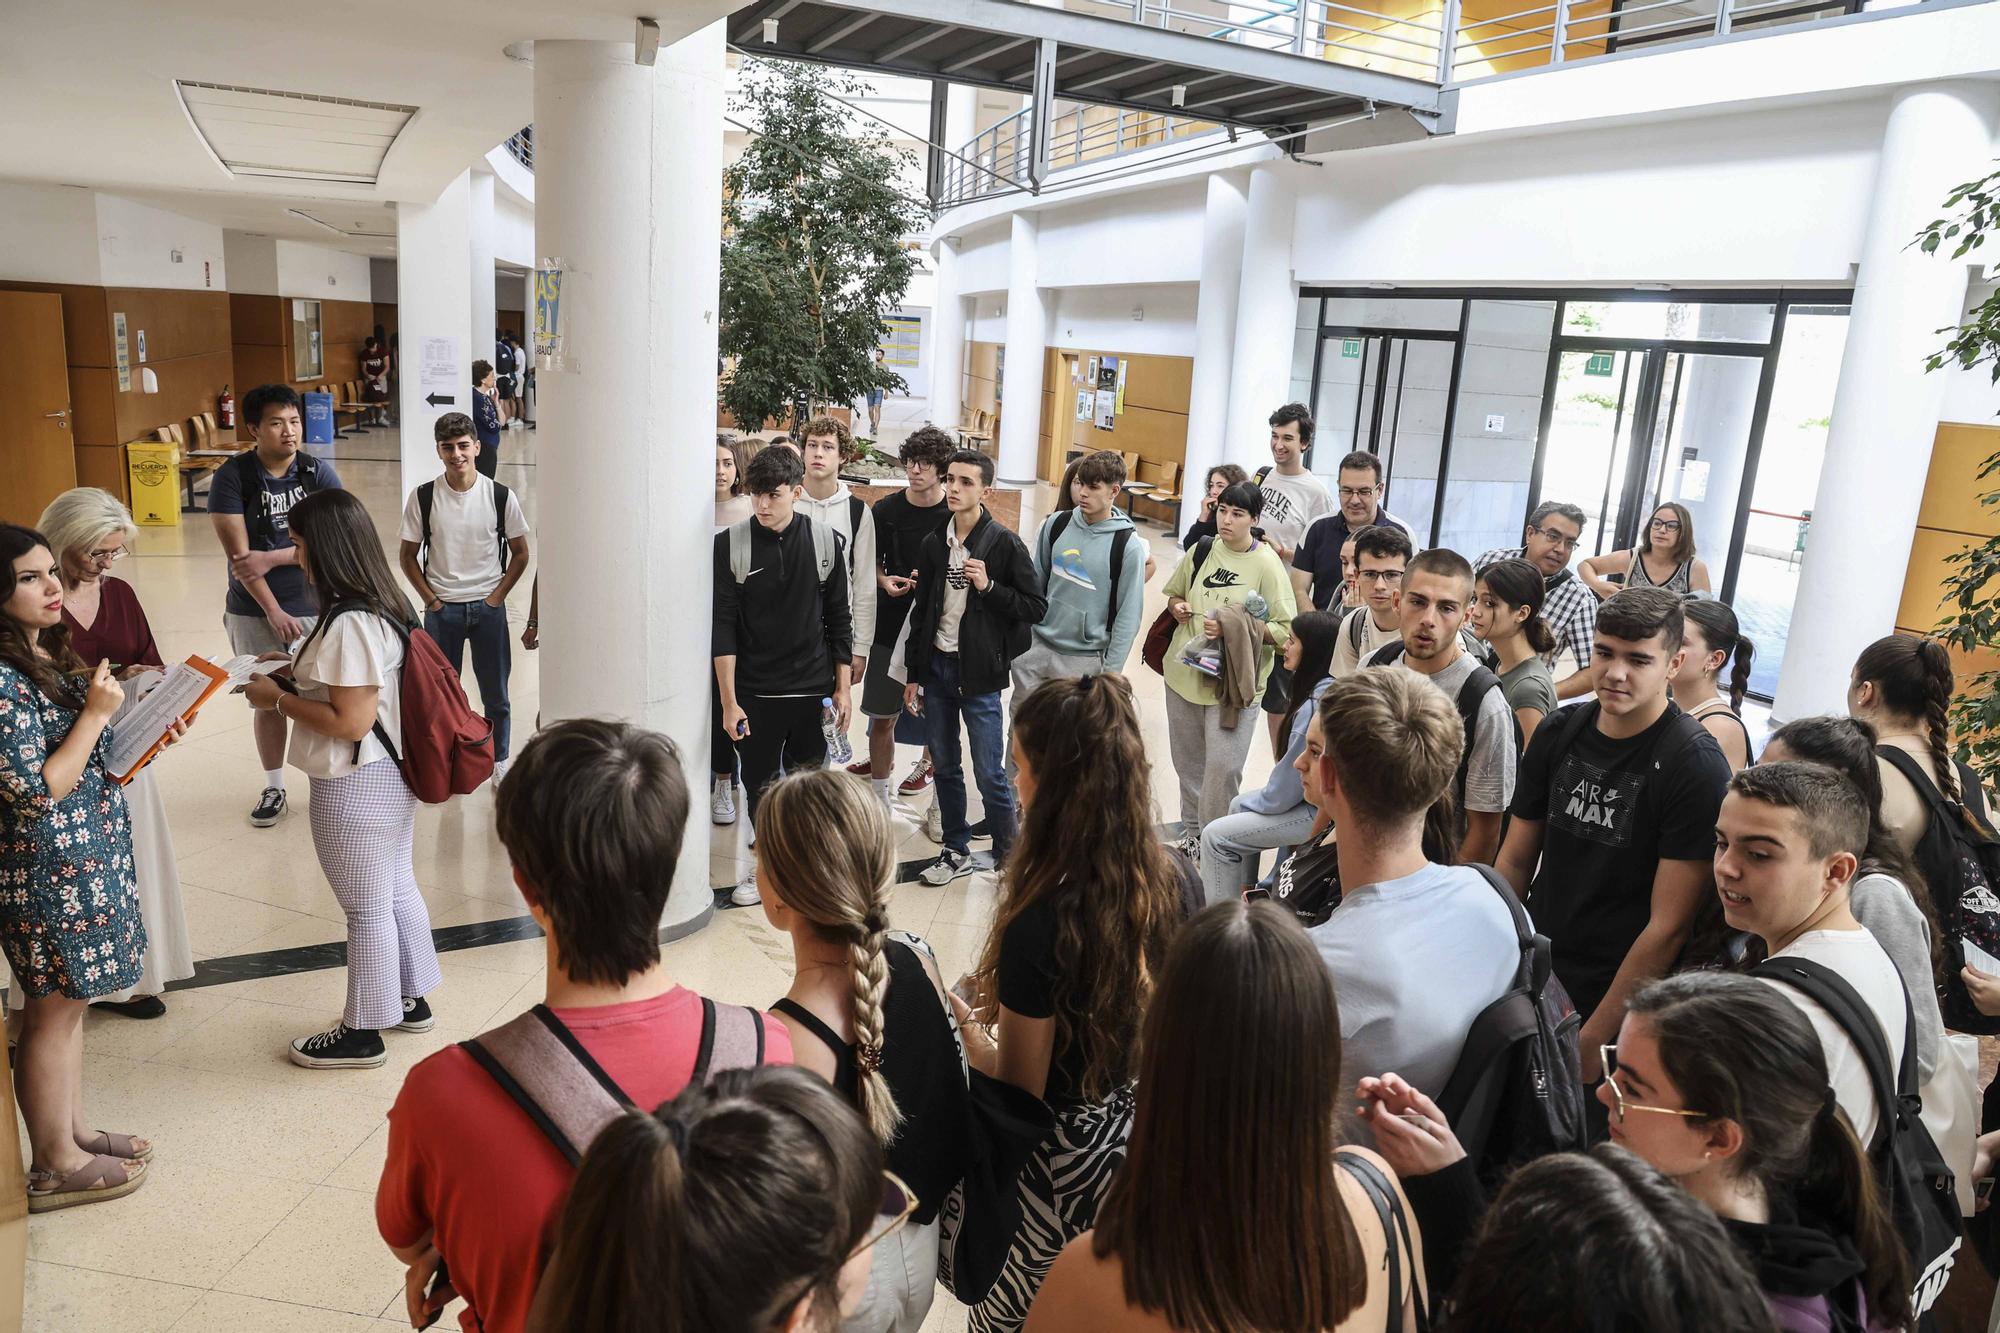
745 894
1189 845
920 778
417 1016
500 767
950 865
722 801
340 1047
934 824
270 807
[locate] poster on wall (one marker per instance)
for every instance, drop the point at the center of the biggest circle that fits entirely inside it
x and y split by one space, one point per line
123 353
1123 366
1086 399
1107 372
1090 372
548 348
437 372
1107 407
901 340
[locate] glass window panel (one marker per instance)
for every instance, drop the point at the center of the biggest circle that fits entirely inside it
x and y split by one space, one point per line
1501 372
1392 312
1718 321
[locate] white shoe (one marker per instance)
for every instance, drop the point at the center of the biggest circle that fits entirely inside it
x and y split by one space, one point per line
722 801
950 865
934 824
500 767
745 894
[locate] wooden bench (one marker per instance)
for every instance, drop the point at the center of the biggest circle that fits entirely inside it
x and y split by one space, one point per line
203 450
347 403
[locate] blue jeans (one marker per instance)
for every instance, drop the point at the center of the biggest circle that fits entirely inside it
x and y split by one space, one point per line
456 624
943 707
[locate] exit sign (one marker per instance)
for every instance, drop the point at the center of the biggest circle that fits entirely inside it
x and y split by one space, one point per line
1598 363
1350 348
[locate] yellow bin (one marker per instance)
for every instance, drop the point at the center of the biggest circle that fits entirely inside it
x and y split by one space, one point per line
155 473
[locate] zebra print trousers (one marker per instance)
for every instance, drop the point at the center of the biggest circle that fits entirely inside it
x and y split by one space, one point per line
1061 1186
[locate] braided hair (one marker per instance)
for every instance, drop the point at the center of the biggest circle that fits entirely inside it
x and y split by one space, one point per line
1914 679
1721 632
825 849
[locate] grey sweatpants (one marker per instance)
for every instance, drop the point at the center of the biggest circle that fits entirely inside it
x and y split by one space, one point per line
1208 758
1037 666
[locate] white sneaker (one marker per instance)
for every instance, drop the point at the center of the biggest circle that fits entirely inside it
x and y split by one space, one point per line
950 865
934 824
745 894
500 767
722 801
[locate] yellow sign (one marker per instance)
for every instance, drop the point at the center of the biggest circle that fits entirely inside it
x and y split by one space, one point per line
153 469
901 339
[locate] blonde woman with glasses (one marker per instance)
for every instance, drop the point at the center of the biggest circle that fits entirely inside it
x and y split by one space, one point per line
91 533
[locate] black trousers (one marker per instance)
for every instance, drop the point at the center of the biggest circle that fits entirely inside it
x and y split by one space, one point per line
784 734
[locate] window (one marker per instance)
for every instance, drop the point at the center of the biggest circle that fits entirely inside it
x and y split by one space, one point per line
307 360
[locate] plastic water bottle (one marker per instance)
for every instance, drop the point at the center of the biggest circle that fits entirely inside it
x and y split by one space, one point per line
838 751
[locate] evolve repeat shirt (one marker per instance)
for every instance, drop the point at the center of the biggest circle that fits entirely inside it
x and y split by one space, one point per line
463 563
1293 504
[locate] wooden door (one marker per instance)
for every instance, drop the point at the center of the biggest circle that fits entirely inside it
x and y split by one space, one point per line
37 452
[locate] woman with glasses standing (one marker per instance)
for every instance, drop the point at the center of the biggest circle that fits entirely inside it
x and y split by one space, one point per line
91 531
1666 560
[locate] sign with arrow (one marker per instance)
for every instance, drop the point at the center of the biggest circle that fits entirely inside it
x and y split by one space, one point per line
440 399
438 371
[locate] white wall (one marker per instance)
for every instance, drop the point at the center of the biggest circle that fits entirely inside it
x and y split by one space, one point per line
48 233
513 230
982 258
1101 319
989 320
328 275
1144 237
253 263
142 246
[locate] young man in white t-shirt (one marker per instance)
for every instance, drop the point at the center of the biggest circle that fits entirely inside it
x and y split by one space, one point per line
462 560
1787 843
1294 499
1381 554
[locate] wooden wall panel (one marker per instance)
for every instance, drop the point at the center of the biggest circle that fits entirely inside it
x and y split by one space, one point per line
93 402
86 319
175 323
385 315
188 386
103 465
256 320
1950 519
1154 422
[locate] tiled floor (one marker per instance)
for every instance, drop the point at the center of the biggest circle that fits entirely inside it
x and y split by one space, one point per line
259 1211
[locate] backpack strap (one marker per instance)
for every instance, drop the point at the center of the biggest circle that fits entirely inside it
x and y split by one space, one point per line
1387 654
1354 629
1262 473
1058 523
540 1064
856 507
1906 763
826 552
732 1037
1395 1230
500 494
739 549
1831 991
426 492
1119 541
1470 696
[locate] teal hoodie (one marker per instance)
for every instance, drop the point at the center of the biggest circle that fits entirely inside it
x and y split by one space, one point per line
1077 574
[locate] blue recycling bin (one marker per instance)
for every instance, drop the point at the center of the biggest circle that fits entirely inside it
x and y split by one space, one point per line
319 418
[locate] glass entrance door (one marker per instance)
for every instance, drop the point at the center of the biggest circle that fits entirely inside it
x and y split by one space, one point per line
1386 394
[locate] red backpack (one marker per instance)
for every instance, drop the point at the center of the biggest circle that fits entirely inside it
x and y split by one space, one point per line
447 748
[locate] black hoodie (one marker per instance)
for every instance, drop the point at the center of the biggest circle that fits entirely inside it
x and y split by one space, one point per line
1810 1276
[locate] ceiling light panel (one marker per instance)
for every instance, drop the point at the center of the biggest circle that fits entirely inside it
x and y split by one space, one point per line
293 136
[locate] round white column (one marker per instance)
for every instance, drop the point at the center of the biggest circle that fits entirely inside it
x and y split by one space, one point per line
1266 315
947 400
1214 335
433 301
485 297
628 165
1885 406
1027 349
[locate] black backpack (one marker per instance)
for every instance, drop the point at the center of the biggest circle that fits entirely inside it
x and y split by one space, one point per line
1471 695
503 358
1913 1177
1960 860
1517 1092
425 495
1120 539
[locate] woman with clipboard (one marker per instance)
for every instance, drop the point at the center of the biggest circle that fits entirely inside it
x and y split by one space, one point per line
69 907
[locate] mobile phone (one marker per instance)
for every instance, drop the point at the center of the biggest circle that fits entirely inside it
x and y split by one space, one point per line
742 728
1982 1190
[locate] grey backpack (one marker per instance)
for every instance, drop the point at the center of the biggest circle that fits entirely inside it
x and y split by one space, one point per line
826 547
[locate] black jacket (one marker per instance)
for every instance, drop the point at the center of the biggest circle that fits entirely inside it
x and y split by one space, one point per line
785 628
994 630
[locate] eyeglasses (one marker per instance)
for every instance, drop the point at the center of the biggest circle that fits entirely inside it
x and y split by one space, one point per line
898 1202
1558 538
106 557
1380 575
1666 525
1607 1056
1356 492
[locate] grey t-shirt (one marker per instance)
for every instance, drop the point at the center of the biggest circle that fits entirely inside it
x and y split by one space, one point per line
1530 685
1489 775
1883 905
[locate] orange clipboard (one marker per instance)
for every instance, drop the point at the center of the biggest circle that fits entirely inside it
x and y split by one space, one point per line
189 697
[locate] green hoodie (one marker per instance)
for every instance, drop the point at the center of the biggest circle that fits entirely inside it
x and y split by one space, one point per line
1075 569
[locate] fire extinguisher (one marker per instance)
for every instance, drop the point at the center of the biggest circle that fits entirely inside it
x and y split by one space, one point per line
225 408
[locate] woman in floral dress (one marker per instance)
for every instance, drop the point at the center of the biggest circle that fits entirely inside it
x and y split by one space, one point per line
69 908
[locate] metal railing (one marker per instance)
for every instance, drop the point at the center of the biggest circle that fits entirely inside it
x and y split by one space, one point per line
521 144
1569 30
997 159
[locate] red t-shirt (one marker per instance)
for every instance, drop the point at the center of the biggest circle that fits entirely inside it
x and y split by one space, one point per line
466 1162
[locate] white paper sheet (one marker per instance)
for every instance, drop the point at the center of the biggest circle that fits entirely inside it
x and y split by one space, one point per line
147 720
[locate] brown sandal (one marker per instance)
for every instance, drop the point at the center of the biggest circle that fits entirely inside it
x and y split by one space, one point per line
125 1147
93 1182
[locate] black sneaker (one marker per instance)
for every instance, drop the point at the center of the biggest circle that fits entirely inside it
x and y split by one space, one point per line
416 1017
269 807
983 829
340 1047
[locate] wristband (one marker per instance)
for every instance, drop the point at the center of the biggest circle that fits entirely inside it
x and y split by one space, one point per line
534 623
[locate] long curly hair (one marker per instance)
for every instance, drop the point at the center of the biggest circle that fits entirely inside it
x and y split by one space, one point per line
1088 846
18 642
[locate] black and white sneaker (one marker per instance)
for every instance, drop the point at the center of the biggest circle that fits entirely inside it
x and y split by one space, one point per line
270 807
1189 845
416 1017
340 1047
950 865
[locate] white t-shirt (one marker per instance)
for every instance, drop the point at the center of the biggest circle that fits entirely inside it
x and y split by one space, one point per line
1346 657
357 648
952 609
463 563
1862 963
1291 505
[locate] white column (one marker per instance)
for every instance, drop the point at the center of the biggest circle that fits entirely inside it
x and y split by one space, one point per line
527 341
433 301
485 312
1027 349
1885 407
1260 367
1214 335
628 166
947 352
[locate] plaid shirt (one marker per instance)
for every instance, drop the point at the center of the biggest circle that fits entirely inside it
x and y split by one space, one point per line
1570 608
